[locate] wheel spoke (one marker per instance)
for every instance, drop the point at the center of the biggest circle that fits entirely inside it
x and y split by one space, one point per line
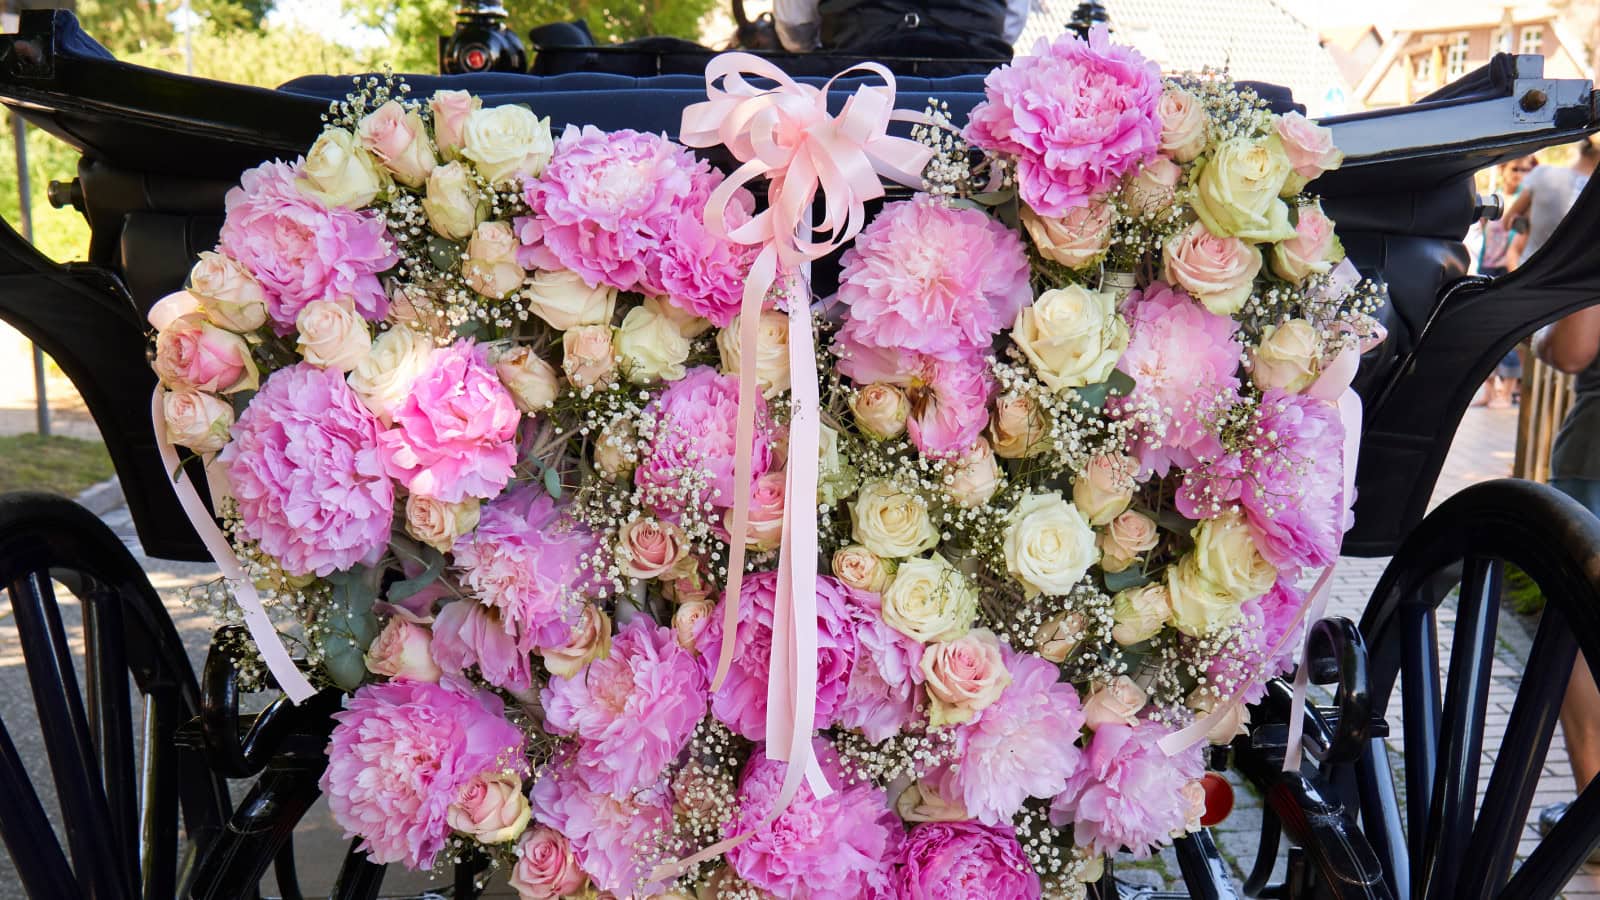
26 829
1551 865
110 713
1419 698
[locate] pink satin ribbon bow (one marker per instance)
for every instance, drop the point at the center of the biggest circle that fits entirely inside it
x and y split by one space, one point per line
786 134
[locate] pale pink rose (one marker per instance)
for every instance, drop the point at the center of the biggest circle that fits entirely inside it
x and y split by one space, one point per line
1309 145
587 356
1129 536
533 383
1076 239
229 295
1018 427
766 512
193 354
450 111
881 410
197 420
403 649
1194 798
615 451
974 476
1103 490
398 140
437 523
1140 613
590 641
862 569
490 265
545 869
963 676
490 808
171 308
1230 723
688 621
1183 124
649 548
332 335
1118 703
928 799
1060 635
1153 188
1312 251
1217 271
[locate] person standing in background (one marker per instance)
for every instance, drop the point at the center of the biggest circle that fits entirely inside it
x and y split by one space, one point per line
1496 257
1548 192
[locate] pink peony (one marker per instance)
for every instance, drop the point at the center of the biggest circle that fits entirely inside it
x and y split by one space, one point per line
881 696
949 397
697 271
1077 115
632 711
1129 793
1242 667
524 560
299 251
612 838
929 278
838 848
605 204
402 752
1184 361
306 472
453 434
467 633
741 704
964 861
694 441
1024 745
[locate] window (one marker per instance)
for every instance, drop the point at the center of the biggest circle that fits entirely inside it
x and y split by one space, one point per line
1456 57
1422 66
1532 40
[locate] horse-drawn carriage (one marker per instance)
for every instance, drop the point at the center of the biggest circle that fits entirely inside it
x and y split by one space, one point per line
160 151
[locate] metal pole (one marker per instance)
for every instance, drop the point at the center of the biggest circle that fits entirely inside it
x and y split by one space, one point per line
19 138
188 39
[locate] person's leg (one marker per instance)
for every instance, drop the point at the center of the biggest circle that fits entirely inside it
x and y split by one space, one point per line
1580 708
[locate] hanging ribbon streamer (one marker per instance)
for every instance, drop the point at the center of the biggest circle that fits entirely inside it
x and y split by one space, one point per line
268 642
786 134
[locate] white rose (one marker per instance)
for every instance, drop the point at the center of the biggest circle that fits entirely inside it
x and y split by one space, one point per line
339 171
890 522
1288 357
1236 192
398 139
1048 544
691 325
490 265
1199 607
922 801
437 523
772 351
507 141
862 569
1138 614
650 347
881 410
230 297
1104 488
1118 703
1125 539
929 600
1227 556
332 335
566 301
384 376
452 203
533 383
197 420
974 476
1073 336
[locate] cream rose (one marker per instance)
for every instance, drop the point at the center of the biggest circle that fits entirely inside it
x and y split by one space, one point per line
230 297
546 868
890 522
1118 703
490 264
1075 240
1018 427
836 478
649 548
1184 124
614 450
963 676
1308 146
922 801
450 110
197 420
974 476
1226 554
1103 490
1153 188
166 312
1313 250
332 335
881 410
490 808
533 383
452 204
766 512
587 356
1288 357
437 523
862 569
1138 614
397 138
590 641
1236 193
650 348
1217 271
403 649
1072 336
1199 607
339 171
1060 635
1048 544
383 378
507 141
688 621
1128 537
1223 730
563 299
772 351
929 600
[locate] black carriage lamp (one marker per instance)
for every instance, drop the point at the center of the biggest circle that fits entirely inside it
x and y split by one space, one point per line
1088 14
482 42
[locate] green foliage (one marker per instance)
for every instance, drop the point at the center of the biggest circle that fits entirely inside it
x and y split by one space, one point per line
126 26
59 464
60 234
350 626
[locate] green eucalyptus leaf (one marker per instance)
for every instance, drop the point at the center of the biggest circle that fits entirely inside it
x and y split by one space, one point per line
995 198
1174 521
1121 383
1093 395
1131 577
350 613
433 561
552 482
444 253
343 662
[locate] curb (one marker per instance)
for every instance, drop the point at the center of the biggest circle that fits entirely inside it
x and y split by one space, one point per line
103 497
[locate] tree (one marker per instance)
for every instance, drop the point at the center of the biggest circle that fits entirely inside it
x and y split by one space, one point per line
127 26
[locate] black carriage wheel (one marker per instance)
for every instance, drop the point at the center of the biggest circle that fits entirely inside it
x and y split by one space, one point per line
121 825
1446 849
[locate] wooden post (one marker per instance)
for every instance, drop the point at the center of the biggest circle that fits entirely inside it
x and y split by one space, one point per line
1546 398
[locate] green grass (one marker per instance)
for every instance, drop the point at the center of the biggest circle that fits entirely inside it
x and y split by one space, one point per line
63 465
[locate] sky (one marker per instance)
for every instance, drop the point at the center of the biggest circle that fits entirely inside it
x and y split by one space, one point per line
327 18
